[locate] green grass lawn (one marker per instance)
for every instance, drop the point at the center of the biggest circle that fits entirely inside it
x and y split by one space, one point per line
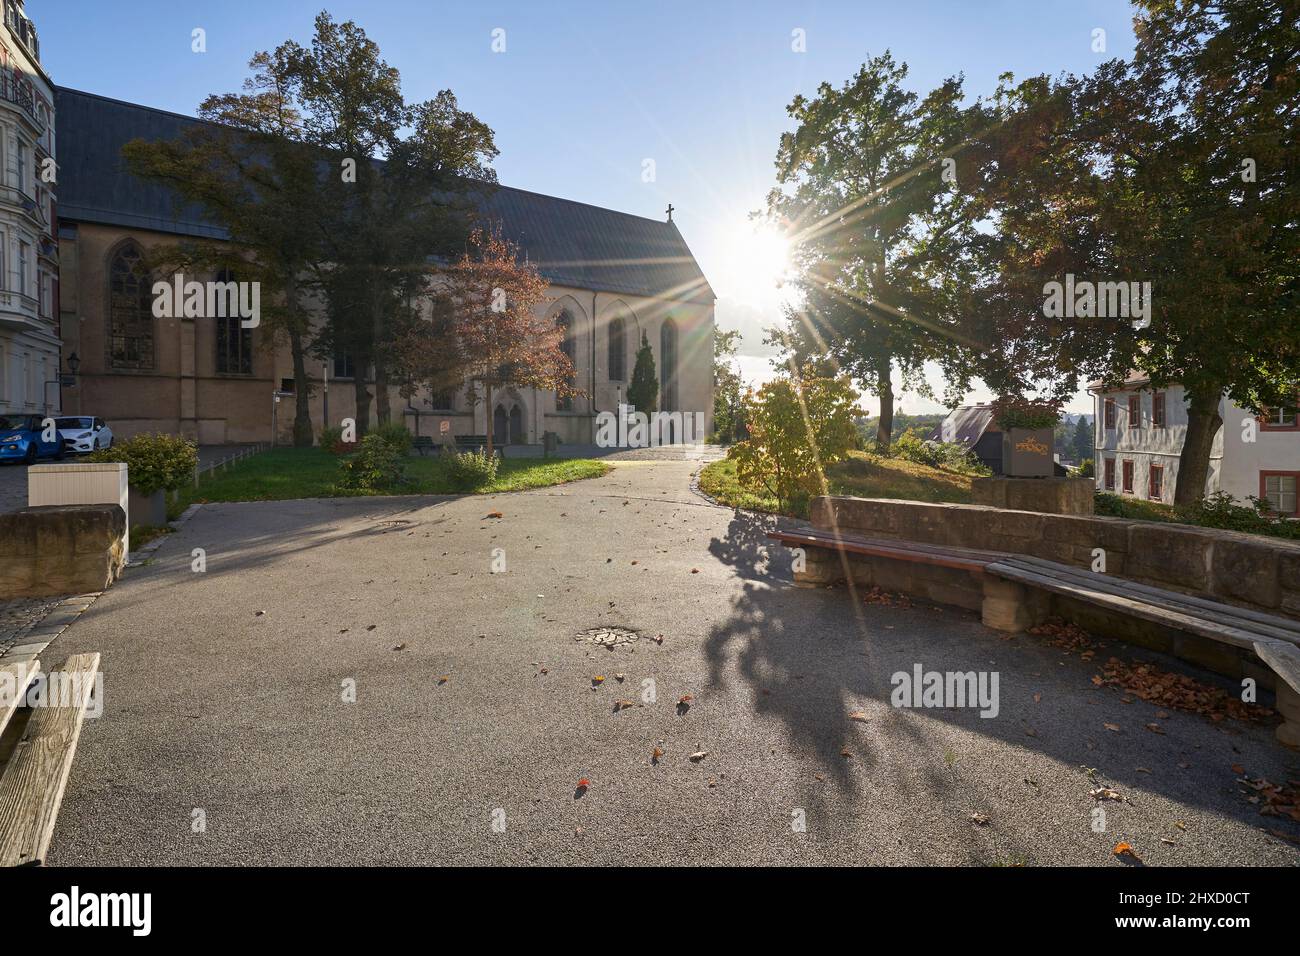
283 473
862 474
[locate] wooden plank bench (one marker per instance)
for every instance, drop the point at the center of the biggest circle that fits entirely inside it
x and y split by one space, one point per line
33 779
423 444
1014 587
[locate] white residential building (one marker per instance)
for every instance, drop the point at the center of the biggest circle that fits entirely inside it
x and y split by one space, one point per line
1140 433
29 331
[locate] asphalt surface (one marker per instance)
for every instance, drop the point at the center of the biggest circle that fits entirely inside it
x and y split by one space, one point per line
225 738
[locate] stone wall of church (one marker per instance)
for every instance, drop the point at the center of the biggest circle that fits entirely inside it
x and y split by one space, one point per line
182 391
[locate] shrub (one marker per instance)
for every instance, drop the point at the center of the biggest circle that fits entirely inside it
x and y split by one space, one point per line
396 434
783 451
471 470
154 462
1087 468
375 466
331 439
1012 411
949 456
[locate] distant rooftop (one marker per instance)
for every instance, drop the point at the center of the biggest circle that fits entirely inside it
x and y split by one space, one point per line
572 243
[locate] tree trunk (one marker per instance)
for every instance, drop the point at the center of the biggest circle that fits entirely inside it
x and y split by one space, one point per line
303 434
885 391
362 396
487 390
383 407
1203 423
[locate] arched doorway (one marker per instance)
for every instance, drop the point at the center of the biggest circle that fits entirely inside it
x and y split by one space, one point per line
500 426
516 425
508 426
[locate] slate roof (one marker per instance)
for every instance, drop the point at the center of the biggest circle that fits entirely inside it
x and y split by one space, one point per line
969 423
572 243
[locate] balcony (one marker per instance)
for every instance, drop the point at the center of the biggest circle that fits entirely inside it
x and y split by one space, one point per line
21 313
19 94
22 29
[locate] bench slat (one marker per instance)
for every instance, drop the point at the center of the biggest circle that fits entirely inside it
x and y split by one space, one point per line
1284 659
1144 609
31 787
18 676
1271 624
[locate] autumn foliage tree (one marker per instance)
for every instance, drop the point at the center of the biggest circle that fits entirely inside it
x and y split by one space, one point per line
798 425
487 327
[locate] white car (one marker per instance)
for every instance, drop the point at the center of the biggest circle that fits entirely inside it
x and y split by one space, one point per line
84 435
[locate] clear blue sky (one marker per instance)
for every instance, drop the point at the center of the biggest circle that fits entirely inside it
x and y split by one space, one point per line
588 90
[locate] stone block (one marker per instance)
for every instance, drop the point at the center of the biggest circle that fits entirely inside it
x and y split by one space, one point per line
1170 554
63 549
1247 570
1063 496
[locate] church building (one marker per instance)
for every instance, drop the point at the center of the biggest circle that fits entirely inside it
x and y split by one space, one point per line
613 278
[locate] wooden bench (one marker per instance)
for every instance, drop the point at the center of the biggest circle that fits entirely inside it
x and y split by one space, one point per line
1014 588
423 444
37 745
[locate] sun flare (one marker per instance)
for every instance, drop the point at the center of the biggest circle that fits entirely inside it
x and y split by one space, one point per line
757 260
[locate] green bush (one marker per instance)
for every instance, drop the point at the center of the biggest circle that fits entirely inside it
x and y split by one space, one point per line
1013 411
797 428
396 434
471 470
1220 510
1087 468
948 456
154 462
376 465
331 438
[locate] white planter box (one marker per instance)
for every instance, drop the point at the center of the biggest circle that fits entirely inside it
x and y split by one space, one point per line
85 483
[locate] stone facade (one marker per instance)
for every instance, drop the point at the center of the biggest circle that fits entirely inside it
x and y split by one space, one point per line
29 265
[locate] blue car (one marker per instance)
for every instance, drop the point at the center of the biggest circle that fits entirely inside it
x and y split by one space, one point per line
23 439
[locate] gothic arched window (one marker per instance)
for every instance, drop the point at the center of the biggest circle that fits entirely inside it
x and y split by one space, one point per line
564 322
668 366
130 310
234 342
617 350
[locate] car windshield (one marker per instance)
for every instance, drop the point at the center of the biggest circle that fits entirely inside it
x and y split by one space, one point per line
22 422
73 422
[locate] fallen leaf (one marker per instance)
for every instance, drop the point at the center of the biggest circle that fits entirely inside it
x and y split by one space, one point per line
1180 824
1155 728
399 647
1123 849
598 679
444 678
695 570
655 755
1238 769
619 677
622 704
699 755
859 715
979 819
1038 698
1169 841
1113 727
494 514
1106 793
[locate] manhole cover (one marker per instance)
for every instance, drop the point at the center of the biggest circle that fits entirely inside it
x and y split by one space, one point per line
608 636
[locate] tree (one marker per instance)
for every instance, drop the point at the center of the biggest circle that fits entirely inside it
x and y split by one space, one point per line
399 184
1179 168
728 389
1083 442
643 390
865 189
798 425
485 326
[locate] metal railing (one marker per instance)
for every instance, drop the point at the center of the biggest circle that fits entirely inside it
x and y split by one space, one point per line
225 464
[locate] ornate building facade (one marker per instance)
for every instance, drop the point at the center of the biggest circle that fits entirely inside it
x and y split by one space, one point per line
29 265
613 278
